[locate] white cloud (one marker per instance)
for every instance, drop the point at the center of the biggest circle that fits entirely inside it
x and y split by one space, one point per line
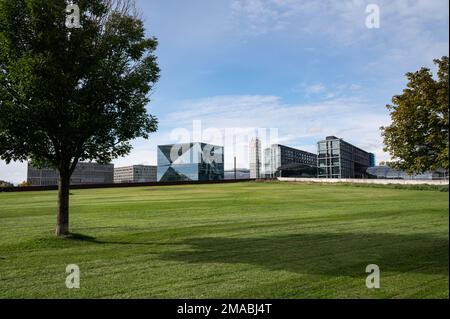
335 17
15 172
314 89
298 124
319 90
412 32
144 152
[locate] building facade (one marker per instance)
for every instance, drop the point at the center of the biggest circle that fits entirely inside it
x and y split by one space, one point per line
255 158
284 161
85 173
135 174
190 162
339 159
386 172
372 160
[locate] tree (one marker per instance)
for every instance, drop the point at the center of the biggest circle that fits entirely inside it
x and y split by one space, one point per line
383 163
418 138
73 94
24 184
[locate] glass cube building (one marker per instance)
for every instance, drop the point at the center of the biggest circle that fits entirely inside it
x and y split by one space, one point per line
339 159
190 162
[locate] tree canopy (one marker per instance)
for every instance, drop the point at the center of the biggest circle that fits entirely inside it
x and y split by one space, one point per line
73 94
418 138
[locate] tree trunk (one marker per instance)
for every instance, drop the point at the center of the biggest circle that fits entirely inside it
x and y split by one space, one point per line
62 219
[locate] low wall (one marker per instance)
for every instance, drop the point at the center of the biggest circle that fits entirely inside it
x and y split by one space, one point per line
118 185
365 181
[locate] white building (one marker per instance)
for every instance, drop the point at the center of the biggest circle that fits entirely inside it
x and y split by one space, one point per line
255 158
85 173
135 174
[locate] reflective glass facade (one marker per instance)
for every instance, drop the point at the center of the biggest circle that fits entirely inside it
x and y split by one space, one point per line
84 174
135 174
385 172
339 159
284 161
190 162
372 160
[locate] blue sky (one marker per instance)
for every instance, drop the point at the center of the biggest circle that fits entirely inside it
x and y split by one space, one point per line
308 68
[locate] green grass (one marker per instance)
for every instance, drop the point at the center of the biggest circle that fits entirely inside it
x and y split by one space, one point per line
246 240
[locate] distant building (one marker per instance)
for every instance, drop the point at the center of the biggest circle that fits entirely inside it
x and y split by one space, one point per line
85 173
255 158
372 160
386 172
190 162
284 161
339 159
241 173
135 174
6 184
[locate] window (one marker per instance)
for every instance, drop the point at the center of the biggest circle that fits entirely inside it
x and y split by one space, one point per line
322 147
335 161
335 152
322 162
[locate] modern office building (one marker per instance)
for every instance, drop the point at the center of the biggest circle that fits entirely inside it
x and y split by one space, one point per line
339 159
255 158
135 174
190 162
372 160
85 173
284 161
386 172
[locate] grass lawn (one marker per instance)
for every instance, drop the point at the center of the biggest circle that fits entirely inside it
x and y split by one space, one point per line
246 240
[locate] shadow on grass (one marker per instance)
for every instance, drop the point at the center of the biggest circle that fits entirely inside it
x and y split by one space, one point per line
73 237
333 254
327 254
81 237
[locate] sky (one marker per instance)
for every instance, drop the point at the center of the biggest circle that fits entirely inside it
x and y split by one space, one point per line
305 69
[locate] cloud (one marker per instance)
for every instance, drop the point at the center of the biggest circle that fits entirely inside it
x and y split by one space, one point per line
144 152
298 125
314 89
412 31
321 91
15 172
333 44
335 18
258 17
351 118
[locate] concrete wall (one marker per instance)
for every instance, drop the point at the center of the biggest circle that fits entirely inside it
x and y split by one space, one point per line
365 181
